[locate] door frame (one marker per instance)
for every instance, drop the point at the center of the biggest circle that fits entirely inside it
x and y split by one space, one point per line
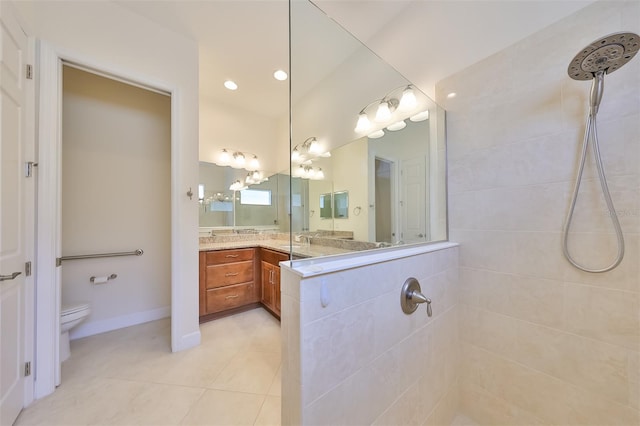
48 219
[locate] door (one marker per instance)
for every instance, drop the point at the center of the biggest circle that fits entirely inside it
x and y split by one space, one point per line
384 201
413 205
12 215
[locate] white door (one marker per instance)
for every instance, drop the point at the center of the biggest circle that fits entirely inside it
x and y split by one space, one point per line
12 215
413 205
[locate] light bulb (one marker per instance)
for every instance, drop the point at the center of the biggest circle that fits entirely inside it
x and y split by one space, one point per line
224 157
377 134
254 163
421 116
408 100
295 154
397 126
238 158
248 180
363 123
319 174
314 146
383 113
326 154
299 171
256 175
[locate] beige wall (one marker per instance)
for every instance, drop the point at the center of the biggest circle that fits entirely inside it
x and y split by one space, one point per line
116 156
361 360
542 342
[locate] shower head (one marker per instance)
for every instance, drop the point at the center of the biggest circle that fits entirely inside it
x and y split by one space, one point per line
604 55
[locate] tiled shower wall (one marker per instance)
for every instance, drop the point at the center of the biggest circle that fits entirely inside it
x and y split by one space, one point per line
360 360
542 342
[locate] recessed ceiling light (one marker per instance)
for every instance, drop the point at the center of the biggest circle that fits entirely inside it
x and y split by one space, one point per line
452 95
280 75
230 84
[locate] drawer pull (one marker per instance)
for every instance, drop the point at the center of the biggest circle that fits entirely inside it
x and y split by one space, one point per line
231 274
231 297
232 255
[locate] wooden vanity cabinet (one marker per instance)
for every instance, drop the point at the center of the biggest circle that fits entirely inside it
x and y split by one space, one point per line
228 282
270 274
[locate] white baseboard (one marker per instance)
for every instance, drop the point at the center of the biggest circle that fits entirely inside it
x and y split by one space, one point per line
188 341
109 324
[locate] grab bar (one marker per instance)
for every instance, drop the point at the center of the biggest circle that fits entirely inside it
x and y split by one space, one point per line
137 252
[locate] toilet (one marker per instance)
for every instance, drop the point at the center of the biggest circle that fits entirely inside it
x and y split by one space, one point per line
70 316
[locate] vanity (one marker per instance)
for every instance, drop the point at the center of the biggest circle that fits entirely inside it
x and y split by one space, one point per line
239 273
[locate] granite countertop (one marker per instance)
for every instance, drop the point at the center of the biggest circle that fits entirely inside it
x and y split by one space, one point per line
299 249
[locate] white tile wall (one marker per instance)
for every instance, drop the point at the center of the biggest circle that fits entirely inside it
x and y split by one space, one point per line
360 359
542 342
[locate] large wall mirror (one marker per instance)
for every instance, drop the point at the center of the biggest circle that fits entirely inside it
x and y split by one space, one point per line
361 129
358 128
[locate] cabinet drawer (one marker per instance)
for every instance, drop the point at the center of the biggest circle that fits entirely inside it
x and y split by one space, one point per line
229 256
273 257
229 273
233 296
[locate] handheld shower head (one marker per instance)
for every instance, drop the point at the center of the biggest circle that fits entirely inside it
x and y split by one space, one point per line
606 55
601 57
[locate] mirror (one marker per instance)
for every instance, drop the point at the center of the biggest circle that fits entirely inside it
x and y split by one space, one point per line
341 205
258 206
391 166
326 211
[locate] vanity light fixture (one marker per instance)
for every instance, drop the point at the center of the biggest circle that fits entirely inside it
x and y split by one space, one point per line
308 172
231 85
308 149
280 75
392 111
452 95
237 186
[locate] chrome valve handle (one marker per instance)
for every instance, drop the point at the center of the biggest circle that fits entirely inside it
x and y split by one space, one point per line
411 297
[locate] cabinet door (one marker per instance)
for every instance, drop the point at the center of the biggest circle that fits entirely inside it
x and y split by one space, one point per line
267 284
276 289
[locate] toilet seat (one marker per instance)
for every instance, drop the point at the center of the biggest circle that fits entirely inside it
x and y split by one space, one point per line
71 313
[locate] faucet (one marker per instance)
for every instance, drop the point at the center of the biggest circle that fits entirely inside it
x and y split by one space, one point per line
306 240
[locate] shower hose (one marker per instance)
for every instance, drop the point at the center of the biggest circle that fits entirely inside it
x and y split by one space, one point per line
591 136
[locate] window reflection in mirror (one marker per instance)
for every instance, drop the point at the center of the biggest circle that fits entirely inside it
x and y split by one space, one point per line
341 205
394 171
326 211
259 206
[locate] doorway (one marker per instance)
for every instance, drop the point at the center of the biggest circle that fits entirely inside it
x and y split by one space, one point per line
384 196
115 198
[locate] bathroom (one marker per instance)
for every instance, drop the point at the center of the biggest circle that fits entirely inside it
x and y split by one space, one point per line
508 275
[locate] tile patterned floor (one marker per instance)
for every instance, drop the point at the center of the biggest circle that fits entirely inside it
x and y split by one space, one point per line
130 377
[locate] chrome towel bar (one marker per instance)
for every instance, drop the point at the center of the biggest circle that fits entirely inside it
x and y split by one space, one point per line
137 252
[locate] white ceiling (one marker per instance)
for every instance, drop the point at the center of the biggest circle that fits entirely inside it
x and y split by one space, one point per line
425 40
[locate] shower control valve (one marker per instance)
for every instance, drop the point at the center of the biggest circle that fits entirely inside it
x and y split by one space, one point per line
411 296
